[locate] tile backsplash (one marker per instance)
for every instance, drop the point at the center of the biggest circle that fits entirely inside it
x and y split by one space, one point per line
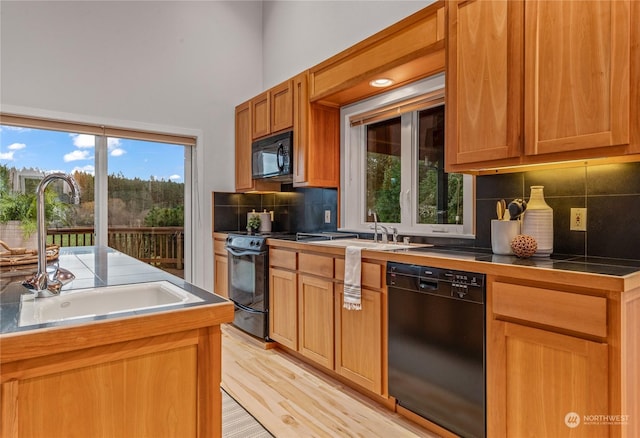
296 210
611 194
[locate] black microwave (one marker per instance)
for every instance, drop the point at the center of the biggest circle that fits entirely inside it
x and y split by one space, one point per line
272 157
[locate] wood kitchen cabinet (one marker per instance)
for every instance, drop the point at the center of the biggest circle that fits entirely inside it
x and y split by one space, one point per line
547 357
220 266
316 319
272 111
243 139
316 139
307 316
537 81
283 297
359 340
283 307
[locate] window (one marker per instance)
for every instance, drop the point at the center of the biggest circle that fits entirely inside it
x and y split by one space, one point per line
393 165
133 188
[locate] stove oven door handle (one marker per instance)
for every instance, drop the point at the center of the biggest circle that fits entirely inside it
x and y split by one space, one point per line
233 252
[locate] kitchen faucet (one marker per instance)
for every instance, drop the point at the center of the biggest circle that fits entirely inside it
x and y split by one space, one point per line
46 284
374 227
384 236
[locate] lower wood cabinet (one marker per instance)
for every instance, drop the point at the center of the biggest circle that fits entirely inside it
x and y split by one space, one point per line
538 379
316 319
547 362
306 315
220 266
221 269
283 307
358 342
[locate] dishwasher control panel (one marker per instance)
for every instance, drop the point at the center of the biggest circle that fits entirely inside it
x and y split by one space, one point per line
437 281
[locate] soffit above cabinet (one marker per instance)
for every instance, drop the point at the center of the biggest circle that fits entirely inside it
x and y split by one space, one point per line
404 52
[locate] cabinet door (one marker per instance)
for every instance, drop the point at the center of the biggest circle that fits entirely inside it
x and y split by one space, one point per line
220 270
281 109
535 378
359 340
243 147
283 307
260 116
484 80
576 75
316 139
315 313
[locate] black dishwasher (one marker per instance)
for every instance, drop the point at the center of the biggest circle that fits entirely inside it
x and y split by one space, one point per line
437 345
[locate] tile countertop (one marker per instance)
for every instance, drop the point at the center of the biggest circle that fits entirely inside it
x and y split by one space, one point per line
591 272
93 267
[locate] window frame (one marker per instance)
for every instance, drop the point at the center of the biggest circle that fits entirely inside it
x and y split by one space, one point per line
102 132
353 162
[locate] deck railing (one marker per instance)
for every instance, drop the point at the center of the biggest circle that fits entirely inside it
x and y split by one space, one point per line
160 246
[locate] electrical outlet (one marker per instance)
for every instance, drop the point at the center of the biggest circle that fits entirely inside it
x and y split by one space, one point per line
578 219
327 216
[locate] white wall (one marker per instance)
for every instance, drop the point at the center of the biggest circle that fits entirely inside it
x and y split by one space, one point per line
301 34
180 66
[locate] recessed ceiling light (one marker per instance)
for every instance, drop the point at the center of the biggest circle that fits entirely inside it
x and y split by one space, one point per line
382 82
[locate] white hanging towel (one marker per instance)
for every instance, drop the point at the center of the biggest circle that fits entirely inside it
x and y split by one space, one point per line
352 267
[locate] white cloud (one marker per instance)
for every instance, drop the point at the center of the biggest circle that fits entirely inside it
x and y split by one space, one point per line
172 177
7 155
118 152
83 140
113 142
76 155
17 146
14 128
85 169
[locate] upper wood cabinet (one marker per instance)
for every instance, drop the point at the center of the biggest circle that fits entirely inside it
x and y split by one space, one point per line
243 139
243 147
483 81
577 58
538 81
316 139
407 51
272 111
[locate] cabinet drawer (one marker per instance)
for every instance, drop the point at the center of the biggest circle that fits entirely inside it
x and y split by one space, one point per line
371 274
218 247
282 258
580 313
316 264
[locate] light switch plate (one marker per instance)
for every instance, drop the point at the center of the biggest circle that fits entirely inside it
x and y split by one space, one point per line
578 219
327 216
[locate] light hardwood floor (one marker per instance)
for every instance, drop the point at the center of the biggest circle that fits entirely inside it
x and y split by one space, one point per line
292 399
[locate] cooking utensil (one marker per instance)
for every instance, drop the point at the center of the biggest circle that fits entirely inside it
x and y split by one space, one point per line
516 208
501 207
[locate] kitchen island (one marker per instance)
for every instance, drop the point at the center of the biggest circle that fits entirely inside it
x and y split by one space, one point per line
153 372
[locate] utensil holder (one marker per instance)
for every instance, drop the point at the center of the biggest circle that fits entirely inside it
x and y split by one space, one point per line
502 233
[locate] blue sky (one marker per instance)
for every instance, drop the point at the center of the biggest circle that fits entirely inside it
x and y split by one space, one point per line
65 152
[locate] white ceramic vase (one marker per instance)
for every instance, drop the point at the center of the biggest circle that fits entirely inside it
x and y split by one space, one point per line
538 222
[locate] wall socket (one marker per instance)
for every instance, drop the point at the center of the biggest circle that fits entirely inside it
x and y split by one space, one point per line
327 216
578 219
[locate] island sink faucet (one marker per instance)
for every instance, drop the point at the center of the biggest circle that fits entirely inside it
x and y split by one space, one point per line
43 283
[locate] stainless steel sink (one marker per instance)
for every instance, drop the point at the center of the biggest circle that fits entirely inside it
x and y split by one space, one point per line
83 303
